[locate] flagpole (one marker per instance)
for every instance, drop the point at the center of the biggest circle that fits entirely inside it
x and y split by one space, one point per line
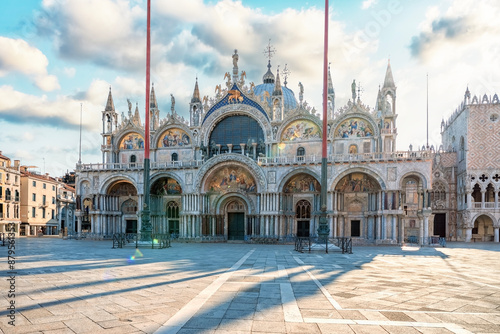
427 111
80 143
145 217
323 229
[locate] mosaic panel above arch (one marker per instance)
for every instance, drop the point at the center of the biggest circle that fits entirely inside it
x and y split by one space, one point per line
354 128
166 186
132 141
301 130
122 188
357 182
174 138
302 183
231 178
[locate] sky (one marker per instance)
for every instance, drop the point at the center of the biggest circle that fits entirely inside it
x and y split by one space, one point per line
58 59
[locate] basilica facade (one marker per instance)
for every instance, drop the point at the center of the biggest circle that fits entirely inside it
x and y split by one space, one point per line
247 164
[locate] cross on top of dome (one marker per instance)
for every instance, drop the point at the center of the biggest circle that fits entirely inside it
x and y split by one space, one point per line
269 51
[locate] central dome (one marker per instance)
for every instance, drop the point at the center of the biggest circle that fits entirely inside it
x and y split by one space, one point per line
268 86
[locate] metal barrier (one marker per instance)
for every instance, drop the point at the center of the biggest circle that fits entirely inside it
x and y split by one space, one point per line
429 241
307 243
157 240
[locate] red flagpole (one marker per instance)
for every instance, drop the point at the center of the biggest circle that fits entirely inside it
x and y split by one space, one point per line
148 63
325 83
146 229
323 228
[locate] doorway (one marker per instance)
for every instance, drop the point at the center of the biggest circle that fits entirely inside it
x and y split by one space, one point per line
440 224
303 216
131 226
355 228
236 226
303 228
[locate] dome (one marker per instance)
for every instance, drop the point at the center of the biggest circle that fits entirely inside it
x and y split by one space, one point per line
288 96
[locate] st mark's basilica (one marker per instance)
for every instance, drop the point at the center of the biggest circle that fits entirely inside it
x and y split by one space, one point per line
247 164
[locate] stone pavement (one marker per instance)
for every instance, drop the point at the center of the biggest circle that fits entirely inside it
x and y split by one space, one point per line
80 286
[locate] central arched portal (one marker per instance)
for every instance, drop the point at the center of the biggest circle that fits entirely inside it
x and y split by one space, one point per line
358 197
166 199
235 211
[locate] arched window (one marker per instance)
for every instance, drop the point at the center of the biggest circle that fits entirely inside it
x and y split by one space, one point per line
438 192
237 130
133 159
476 193
301 152
489 196
129 207
175 157
303 210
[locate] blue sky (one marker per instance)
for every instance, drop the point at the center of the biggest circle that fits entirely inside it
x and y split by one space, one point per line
56 55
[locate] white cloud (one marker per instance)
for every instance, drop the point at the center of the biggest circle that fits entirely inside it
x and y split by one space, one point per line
368 3
458 47
47 83
103 31
16 55
18 107
70 72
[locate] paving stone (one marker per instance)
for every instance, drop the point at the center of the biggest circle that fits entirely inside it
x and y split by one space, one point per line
381 288
83 325
268 327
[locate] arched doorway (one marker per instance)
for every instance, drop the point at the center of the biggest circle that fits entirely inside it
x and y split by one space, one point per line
235 210
483 229
166 196
121 200
358 196
87 207
303 218
172 211
129 211
300 200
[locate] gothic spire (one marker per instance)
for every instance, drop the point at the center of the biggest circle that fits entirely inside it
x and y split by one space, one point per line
277 84
196 93
152 100
137 117
389 80
380 101
330 84
110 106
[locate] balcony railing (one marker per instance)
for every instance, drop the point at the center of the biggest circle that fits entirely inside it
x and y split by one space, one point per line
306 159
140 165
485 205
389 131
340 158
